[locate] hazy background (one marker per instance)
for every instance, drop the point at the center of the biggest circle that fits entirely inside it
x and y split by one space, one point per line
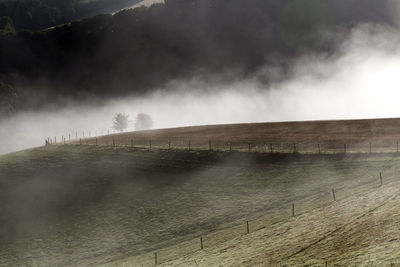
354 74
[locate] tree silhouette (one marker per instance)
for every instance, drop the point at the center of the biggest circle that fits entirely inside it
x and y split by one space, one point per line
143 122
121 122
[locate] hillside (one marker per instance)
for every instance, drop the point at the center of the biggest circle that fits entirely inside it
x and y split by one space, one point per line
41 14
375 135
68 205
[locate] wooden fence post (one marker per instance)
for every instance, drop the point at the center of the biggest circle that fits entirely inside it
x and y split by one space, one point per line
333 195
397 146
201 242
293 210
155 259
249 147
248 228
380 177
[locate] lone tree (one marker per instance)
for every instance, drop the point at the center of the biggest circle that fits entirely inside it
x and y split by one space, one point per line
8 97
121 122
143 122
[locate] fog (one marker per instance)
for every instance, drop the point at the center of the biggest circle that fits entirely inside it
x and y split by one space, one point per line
360 81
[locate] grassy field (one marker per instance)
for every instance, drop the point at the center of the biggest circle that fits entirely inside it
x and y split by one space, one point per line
68 205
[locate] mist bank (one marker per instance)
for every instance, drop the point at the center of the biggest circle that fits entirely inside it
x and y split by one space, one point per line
139 51
360 82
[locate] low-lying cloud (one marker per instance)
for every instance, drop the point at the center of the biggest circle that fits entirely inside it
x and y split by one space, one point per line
359 82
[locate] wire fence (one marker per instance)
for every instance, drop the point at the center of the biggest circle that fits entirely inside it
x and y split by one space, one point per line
293 208
304 147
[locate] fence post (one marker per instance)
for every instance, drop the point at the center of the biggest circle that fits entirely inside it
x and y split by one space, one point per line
293 210
397 146
271 148
201 242
294 148
155 258
380 177
333 194
249 147
248 228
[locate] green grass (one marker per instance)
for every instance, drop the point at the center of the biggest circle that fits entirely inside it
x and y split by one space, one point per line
87 205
